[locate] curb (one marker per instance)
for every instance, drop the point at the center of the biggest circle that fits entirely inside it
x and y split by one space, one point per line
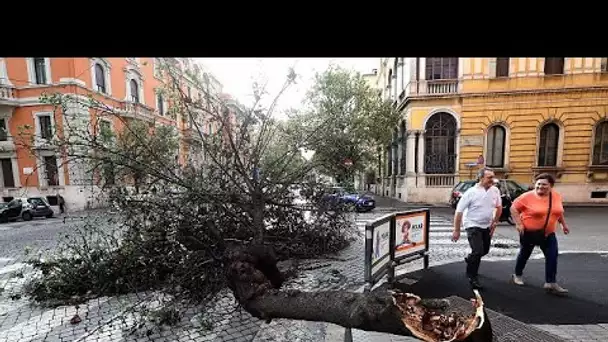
585 205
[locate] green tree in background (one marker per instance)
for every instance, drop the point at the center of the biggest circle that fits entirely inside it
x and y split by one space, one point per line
350 123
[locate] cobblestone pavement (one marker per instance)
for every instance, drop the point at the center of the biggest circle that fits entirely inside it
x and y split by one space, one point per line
116 318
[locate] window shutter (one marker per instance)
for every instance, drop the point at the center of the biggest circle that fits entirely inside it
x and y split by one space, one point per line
492 67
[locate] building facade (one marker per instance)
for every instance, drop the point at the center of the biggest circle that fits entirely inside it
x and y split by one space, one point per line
130 86
520 116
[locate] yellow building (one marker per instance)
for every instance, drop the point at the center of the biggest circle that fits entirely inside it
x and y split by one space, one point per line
520 116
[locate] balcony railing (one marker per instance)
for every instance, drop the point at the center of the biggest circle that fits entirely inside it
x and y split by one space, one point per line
440 163
441 87
41 143
133 109
191 134
6 143
7 92
430 87
440 181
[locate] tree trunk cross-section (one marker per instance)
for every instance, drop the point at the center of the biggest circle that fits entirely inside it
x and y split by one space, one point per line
255 280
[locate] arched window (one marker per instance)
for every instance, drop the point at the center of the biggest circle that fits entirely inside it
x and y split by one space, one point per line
134 91
600 144
495 152
440 144
100 78
548 144
101 75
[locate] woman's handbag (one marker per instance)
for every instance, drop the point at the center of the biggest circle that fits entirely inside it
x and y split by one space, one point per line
537 237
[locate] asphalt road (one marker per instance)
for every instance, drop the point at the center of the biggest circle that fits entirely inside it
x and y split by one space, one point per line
38 235
588 226
583 274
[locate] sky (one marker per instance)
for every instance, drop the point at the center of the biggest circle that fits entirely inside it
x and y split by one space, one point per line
238 74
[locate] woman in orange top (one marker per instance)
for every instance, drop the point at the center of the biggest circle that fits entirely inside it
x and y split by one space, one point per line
536 214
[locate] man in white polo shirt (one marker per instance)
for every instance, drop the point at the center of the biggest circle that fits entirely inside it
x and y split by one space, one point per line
480 206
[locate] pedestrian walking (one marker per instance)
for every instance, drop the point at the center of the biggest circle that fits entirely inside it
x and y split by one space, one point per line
478 212
61 203
536 214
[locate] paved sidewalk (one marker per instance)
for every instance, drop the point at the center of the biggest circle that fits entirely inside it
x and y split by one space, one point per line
110 318
220 319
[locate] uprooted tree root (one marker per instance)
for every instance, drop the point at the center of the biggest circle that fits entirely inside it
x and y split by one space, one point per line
254 278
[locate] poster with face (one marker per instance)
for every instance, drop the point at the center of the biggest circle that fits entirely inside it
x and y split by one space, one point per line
410 233
380 246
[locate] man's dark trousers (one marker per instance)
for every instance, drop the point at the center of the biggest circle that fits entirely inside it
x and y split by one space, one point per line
479 240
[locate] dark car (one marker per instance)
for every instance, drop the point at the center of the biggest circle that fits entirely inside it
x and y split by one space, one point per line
26 209
362 202
42 208
507 187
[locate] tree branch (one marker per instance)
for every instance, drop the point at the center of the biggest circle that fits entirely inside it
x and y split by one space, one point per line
255 280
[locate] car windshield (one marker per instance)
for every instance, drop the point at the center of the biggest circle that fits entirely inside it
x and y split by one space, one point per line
462 187
38 200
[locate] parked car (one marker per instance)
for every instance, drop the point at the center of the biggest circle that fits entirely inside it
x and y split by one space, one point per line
508 187
362 202
26 209
42 207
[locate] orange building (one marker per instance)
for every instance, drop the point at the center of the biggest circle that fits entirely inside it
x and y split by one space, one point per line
129 85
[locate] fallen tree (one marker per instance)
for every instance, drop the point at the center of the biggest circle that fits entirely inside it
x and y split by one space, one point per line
189 228
256 281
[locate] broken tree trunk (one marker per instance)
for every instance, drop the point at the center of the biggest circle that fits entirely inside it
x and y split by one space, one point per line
255 281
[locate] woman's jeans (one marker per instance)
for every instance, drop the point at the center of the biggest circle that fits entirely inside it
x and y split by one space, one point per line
549 247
